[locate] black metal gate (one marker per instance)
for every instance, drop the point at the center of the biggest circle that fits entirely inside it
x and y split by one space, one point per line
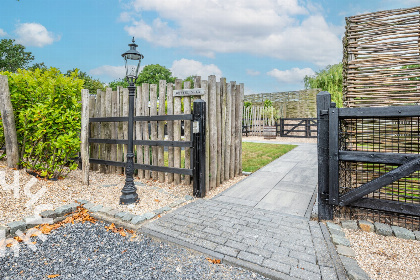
368 158
197 143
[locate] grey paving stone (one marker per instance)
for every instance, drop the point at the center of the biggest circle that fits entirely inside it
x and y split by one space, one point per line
139 184
354 272
417 234
82 201
188 197
127 217
366 226
337 232
89 206
120 215
96 208
48 214
340 240
138 219
403 233
259 251
216 238
32 221
284 259
349 224
328 273
250 257
15 226
66 209
333 226
303 256
383 229
345 251
304 274
5 229
176 203
309 266
212 230
111 213
285 268
149 215
104 210
226 250
206 244
237 245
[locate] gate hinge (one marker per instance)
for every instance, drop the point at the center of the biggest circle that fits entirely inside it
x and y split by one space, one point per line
325 196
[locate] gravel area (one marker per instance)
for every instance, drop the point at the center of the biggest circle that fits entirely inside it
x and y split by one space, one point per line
385 257
89 251
104 189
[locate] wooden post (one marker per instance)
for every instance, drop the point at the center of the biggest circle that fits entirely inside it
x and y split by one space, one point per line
213 131
228 127
219 134
223 127
9 125
241 105
146 112
84 136
139 131
96 147
170 106
161 127
153 127
103 128
92 102
205 86
233 131
187 132
177 131
325 210
113 156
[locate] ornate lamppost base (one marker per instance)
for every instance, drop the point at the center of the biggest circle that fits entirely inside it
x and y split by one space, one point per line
129 198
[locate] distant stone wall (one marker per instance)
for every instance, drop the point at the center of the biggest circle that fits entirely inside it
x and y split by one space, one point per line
290 104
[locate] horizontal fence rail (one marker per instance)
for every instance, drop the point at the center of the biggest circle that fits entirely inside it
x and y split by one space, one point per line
285 127
369 160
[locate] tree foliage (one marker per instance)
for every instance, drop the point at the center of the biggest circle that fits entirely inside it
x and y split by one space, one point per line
329 79
150 74
13 56
47 115
88 82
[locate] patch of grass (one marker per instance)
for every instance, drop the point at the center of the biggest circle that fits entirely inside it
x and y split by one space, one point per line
257 155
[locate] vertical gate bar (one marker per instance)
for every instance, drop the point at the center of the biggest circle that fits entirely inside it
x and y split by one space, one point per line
333 143
325 210
199 139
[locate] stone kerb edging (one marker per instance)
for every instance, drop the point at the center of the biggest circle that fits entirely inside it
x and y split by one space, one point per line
106 214
343 245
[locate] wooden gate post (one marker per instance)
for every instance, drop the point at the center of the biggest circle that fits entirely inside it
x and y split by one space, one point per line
9 125
84 137
325 210
199 143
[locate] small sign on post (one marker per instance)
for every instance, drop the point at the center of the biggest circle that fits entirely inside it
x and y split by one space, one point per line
188 92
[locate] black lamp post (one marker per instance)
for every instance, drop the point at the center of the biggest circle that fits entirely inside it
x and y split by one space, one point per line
132 66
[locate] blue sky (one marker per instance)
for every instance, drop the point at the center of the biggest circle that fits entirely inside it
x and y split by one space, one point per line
269 45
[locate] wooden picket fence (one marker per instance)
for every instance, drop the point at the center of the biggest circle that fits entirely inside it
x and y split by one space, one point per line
255 118
223 129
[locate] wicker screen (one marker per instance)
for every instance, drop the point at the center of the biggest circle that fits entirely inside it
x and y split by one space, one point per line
381 62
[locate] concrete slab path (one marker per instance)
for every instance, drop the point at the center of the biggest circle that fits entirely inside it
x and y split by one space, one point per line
262 223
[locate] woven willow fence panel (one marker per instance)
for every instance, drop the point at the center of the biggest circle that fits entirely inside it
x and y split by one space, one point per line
381 62
291 104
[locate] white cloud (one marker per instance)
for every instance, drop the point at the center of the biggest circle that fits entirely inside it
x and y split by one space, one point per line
291 76
34 34
283 29
113 72
186 67
2 32
251 72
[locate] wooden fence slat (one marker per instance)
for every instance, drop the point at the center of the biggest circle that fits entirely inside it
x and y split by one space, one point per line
238 130
114 113
120 129
177 131
187 132
139 130
161 127
102 113
153 126
107 126
146 154
233 131
93 131
84 136
223 127
205 97
228 127
219 134
170 109
242 94
125 99
212 130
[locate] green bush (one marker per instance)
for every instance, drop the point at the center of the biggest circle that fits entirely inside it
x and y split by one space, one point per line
47 114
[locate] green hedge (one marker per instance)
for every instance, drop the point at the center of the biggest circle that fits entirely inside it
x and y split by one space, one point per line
47 114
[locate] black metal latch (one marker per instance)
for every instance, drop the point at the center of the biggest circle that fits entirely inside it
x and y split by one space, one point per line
323 112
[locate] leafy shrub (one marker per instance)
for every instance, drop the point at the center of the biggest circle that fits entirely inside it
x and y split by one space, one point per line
47 114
